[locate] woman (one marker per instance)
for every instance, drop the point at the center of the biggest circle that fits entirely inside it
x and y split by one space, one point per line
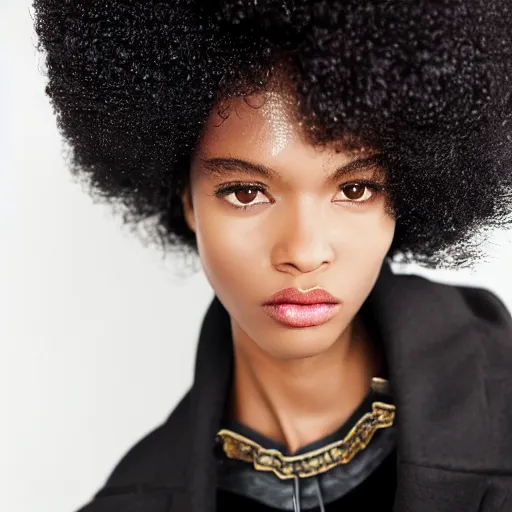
299 147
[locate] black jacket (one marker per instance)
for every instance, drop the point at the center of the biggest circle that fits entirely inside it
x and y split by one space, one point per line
449 354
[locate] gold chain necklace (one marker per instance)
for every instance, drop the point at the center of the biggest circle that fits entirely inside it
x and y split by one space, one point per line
239 447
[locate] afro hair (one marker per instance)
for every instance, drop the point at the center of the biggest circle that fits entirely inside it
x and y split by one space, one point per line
426 82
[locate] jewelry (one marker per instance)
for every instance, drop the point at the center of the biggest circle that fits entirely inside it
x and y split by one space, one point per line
241 448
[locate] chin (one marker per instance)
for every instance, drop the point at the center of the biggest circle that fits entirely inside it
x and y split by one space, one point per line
292 349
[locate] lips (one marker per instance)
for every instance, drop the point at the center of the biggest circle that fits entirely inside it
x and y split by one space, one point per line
293 308
295 296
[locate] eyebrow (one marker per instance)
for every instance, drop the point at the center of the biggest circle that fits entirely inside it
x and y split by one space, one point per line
220 166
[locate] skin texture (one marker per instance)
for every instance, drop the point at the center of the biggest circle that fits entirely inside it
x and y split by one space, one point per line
292 384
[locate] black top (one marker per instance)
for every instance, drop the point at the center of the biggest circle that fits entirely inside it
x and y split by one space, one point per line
376 492
259 473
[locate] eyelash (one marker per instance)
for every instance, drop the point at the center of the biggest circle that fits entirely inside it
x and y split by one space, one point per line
230 188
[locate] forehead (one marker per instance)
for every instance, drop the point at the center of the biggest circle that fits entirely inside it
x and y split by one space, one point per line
264 128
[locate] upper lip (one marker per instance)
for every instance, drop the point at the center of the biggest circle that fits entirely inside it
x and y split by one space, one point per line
295 296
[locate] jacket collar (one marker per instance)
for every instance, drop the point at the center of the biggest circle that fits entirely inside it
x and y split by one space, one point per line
439 341
213 373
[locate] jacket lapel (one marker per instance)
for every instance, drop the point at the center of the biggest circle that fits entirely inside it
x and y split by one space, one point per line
434 351
436 339
208 397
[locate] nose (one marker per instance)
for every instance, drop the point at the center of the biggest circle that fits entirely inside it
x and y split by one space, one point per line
303 244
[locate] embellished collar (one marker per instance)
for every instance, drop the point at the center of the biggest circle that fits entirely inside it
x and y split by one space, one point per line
248 462
375 412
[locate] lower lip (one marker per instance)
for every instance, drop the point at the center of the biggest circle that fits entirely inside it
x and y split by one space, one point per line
301 315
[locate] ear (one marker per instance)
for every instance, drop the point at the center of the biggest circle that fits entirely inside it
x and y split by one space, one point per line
188 210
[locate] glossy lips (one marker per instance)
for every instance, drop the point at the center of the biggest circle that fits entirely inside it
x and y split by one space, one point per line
293 308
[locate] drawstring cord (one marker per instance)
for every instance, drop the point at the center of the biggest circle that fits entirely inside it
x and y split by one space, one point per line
296 495
319 494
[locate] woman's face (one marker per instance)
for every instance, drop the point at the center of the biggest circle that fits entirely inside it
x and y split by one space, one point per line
270 212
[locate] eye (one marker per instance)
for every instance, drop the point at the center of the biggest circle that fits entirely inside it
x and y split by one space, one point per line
359 192
242 196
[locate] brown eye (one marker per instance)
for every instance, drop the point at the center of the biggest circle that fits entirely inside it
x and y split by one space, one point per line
242 196
246 196
355 191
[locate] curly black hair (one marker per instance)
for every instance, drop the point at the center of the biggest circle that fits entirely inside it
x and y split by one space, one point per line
426 82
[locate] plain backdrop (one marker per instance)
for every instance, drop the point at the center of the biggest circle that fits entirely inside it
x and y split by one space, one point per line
87 361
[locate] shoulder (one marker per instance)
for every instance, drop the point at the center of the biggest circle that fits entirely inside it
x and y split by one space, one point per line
151 470
482 326
477 305
493 326
473 319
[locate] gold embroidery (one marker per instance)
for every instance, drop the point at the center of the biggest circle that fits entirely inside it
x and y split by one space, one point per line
312 463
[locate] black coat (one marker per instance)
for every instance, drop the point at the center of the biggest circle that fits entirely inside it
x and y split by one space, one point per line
449 353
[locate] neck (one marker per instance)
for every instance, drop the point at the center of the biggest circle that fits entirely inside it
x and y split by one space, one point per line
297 402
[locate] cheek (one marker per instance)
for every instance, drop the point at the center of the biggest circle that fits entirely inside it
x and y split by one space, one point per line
363 254
230 249
371 235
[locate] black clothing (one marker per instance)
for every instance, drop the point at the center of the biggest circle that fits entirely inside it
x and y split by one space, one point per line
375 493
449 357
334 466
363 443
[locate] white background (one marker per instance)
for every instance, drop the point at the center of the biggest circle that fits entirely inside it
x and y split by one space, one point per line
87 362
